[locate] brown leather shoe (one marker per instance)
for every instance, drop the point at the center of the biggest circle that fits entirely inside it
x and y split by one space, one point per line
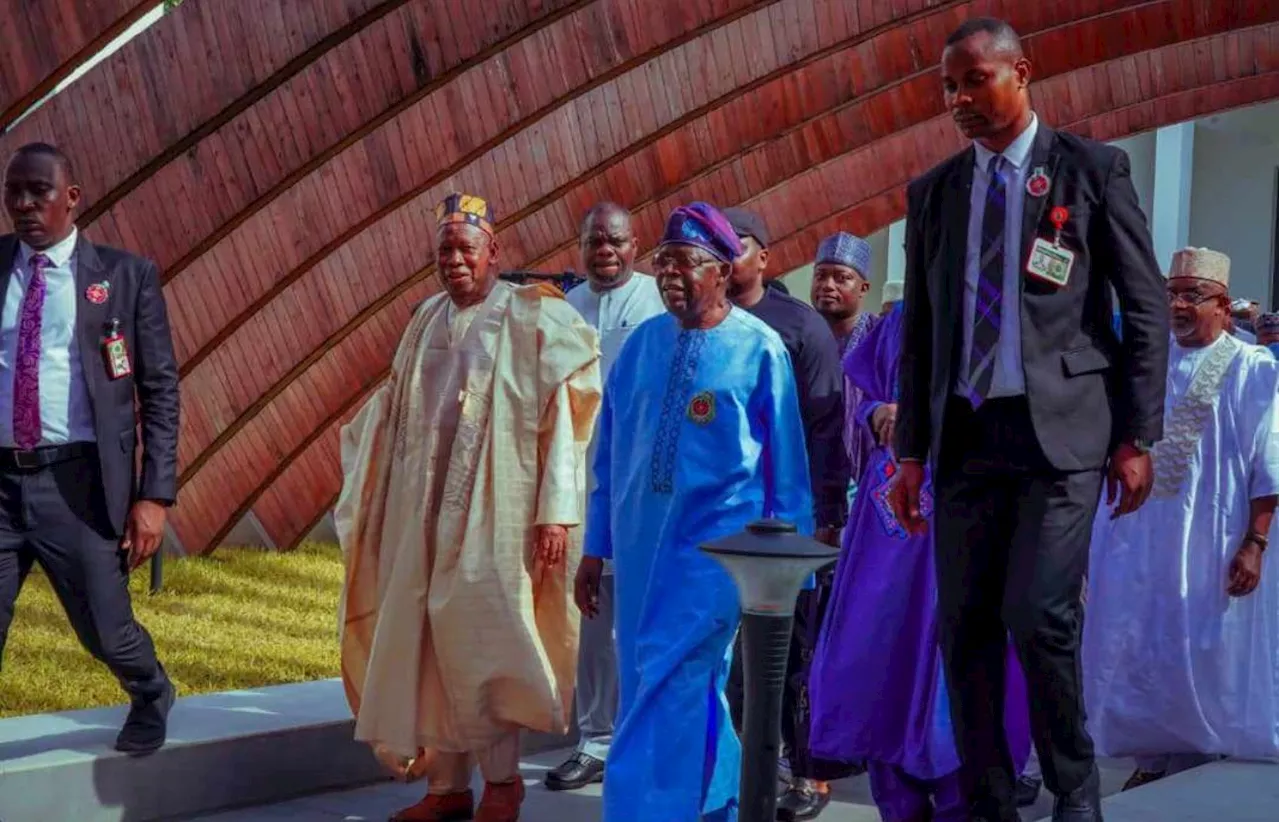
445 807
501 803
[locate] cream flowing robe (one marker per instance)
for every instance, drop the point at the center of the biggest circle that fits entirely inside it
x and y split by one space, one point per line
1172 664
452 636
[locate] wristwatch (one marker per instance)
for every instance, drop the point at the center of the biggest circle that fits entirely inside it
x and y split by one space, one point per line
1141 446
1257 539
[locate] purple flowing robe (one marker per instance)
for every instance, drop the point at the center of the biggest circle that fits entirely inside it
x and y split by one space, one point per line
858 441
876 684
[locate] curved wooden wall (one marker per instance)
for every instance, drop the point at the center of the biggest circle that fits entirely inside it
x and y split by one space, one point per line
46 41
287 194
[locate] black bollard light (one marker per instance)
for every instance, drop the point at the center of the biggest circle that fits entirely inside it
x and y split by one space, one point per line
769 562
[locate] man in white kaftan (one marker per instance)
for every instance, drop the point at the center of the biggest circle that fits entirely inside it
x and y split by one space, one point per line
1180 636
464 483
614 300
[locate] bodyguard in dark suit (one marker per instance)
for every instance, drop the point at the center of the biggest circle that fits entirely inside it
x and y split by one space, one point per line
1014 385
83 334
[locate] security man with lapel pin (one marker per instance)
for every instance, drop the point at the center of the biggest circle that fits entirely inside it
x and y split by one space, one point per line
86 359
1015 388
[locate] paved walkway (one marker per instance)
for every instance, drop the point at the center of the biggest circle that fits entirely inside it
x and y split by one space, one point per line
852 802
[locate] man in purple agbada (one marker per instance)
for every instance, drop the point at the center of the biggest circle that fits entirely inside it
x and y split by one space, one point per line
877 684
841 279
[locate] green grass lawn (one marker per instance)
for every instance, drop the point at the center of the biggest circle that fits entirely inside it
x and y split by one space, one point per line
240 618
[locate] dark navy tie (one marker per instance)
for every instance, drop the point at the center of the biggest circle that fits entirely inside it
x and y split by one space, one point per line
987 302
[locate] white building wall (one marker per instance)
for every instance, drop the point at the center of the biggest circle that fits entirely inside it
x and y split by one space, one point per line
1233 196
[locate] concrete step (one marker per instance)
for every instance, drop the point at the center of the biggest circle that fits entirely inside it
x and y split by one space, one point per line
1226 791
225 750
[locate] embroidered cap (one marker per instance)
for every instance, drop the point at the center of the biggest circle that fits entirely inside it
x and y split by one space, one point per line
892 292
843 248
1202 264
465 208
702 225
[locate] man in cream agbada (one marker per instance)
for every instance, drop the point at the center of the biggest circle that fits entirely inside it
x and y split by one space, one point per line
464 486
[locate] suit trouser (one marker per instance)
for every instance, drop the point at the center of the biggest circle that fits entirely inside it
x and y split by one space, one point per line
597 696
1012 543
56 517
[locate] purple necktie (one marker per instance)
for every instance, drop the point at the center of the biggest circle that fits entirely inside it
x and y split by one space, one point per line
26 376
990 293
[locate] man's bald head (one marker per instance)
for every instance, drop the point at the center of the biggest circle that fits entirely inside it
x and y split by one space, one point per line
607 246
603 210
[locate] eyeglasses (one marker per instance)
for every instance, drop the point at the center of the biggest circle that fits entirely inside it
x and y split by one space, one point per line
1191 298
680 260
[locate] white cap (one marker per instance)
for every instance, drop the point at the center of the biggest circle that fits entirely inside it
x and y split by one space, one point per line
1202 264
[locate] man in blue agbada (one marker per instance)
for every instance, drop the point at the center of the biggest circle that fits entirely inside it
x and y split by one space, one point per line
699 435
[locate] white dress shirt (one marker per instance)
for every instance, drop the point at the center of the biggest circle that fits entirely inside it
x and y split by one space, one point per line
616 313
66 414
1007 380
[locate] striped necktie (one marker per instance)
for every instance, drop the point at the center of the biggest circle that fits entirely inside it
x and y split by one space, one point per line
987 302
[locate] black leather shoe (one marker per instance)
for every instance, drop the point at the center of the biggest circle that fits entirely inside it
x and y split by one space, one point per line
1084 804
1026 791
147 725
576 772
801 802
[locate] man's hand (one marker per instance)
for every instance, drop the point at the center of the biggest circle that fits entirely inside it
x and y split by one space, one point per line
1130 473
905 498
586 586
552 544
143 531
883 420
828 535
1245 570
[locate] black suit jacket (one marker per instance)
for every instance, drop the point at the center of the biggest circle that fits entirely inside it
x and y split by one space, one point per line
1085 391
135 299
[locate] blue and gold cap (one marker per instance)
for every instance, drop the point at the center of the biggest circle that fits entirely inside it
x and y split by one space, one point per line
465 208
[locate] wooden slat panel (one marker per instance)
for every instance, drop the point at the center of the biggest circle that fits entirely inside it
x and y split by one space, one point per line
291 130
352 232
776 148
875 213
220 388
45 41
305 492
172 79
448 131
296 499
306 407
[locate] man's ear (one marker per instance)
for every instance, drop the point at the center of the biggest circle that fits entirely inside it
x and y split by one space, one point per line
764 259
73 196
1023 69
493 249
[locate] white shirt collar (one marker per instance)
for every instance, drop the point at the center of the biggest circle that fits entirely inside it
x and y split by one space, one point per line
1015 154
59 254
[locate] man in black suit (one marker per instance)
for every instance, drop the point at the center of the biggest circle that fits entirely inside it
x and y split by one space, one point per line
1015 388
83 333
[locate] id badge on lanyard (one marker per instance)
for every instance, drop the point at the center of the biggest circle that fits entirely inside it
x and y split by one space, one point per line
115 351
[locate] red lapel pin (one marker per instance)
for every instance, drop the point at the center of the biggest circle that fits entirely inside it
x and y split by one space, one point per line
97 293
